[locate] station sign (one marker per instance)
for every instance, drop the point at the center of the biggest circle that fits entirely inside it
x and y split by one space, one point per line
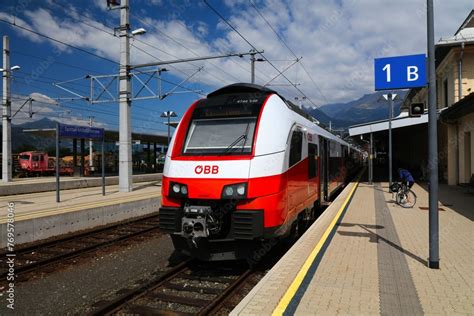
76 131
400 72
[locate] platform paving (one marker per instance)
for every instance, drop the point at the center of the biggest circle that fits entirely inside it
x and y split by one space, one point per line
45 202
376 262
37 216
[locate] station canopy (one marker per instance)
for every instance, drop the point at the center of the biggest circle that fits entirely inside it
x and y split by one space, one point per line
110 136
377 126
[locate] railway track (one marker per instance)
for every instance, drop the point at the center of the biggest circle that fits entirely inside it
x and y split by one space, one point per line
189 288
37 256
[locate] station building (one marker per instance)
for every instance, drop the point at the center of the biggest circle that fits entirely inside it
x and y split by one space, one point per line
455 105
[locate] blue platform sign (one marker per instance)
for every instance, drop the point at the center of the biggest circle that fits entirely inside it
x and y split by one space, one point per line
75 131
400 72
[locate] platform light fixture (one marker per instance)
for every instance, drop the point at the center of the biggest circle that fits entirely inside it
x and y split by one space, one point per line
16 67
139 31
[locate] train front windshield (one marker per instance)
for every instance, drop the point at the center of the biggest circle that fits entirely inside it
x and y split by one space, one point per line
226 136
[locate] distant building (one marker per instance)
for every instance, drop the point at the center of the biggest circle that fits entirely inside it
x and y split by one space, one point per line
455 99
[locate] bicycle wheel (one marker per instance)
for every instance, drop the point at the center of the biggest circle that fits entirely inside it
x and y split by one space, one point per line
400 198
408 200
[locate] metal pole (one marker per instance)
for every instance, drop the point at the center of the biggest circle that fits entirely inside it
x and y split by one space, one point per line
91 151
125 134
57 164
371 159
433 261
169 133
103 167
252 65
390 101
83 166
6 118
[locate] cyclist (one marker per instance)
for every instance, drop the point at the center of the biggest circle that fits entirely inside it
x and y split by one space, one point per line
406 177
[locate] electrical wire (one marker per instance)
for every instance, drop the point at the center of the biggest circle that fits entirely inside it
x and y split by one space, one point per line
59 41
289 48
251 45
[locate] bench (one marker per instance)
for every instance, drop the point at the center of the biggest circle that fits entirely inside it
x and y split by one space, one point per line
468 187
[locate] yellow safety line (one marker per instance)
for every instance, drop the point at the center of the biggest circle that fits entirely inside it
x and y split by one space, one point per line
291 291
79 207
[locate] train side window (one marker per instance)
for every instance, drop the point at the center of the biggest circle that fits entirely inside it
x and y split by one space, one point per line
296 147
312 156
35 158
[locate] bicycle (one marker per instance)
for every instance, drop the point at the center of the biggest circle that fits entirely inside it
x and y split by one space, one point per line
404 196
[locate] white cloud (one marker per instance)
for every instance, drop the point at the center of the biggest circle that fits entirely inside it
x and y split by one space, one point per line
338 40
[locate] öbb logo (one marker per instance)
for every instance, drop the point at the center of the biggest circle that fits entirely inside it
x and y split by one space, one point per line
206 169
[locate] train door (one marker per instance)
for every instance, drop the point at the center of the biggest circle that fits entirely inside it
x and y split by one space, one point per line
313 169
323 167
296 170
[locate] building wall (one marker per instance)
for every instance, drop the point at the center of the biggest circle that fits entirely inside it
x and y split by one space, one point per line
466 148
467 72
460 161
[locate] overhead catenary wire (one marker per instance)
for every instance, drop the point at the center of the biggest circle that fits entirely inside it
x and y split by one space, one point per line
251 45
58 41
289 48
185 47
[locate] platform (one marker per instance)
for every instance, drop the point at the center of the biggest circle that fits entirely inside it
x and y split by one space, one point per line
45 184
38 216
366 255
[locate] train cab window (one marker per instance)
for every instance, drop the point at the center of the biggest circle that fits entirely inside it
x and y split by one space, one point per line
35 158
220 136
24 157
295 147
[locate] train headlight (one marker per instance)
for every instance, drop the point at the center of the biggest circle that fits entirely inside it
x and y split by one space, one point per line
241 189
178 190
229 191
235 191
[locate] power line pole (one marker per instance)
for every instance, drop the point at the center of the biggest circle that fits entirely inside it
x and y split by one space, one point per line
91 151
125 133
6 118
252 64
432 145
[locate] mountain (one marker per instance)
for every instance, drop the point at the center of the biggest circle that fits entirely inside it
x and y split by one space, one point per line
24 141
368 108
324 118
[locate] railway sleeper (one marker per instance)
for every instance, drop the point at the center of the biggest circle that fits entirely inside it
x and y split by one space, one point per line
182 300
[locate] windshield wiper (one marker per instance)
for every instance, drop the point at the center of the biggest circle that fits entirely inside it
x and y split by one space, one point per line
241 137
235 142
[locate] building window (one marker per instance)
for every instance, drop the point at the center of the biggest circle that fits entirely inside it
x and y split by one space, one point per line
445 92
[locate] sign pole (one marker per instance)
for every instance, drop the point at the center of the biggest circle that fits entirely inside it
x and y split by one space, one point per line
371 159
390 101
103 167
57 164
432 146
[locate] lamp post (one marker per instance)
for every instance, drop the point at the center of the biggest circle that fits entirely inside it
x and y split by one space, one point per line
125 88
169 115
6 113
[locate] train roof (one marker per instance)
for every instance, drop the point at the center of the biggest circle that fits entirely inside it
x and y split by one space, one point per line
254 88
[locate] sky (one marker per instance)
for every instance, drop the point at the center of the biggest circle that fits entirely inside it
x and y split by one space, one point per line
334 42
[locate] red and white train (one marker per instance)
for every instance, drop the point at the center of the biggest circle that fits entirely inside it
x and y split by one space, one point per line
246 166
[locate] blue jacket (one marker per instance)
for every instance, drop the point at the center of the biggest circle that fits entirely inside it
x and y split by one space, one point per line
406 175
